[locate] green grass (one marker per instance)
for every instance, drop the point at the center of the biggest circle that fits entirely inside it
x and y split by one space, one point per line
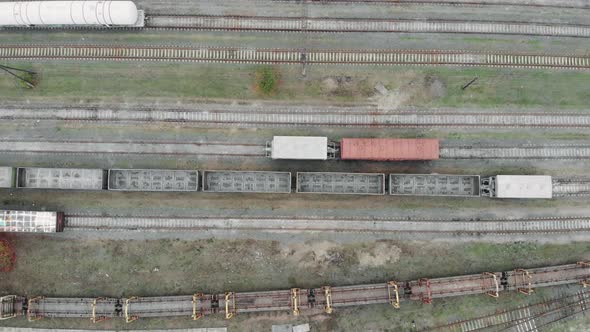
112 82
517 87
267 80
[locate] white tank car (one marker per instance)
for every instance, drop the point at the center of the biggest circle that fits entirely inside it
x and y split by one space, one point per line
79 13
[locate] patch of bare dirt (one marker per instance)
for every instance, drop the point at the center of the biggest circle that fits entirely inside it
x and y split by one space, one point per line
320 255
413 89
346 86
382 253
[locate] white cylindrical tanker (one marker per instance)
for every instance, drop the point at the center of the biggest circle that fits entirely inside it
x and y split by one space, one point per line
79 13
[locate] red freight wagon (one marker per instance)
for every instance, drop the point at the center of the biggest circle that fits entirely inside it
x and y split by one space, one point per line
388 149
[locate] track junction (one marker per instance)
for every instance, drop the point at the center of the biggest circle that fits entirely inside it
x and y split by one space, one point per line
527 318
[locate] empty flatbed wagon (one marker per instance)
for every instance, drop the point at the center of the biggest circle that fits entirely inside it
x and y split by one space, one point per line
94 308
61 178
341 183
31 221
434 185
389 149
153 180
246 182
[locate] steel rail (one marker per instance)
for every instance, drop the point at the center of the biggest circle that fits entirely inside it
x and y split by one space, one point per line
373 25
574 306
156 223
569 152
291 56
454 3
571 187
84 141
495 319
346 218
303 117
118 147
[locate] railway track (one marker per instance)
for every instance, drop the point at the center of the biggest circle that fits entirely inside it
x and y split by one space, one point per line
229 149
327 224
290 56
73 147
522 318
573 4
342 25
523 152
563 187
272 116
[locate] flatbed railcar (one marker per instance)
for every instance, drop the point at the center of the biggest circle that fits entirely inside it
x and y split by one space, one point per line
296 300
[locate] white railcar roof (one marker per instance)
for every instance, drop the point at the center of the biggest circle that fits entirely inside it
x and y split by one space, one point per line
299 147
524 186
6 177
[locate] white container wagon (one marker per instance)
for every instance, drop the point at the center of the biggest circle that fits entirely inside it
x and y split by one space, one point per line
517 186
300 148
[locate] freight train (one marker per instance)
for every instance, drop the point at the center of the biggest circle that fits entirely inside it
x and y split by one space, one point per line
226 181
295 300
70 13
373 149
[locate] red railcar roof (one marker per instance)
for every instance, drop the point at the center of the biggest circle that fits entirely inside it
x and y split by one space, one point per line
385 149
